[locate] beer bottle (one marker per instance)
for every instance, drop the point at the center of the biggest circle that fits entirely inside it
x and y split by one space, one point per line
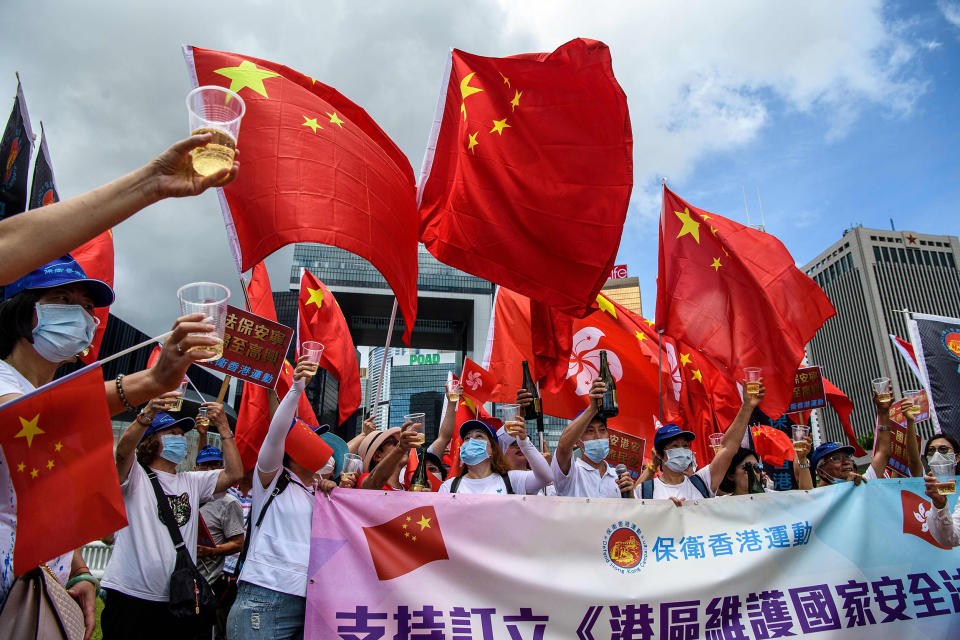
609 407
753 478
534 410
420 481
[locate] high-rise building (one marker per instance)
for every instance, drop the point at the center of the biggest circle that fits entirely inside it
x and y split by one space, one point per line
872 276
410 373
625 292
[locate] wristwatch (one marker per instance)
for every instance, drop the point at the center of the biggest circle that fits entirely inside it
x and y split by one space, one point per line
803 466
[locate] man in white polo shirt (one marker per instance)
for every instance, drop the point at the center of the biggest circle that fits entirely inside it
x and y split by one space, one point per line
589 476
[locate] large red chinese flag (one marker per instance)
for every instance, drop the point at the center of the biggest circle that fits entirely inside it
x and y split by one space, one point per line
253 418
316 168
405 543
96 259
735 294
58 444
321 320
631 354
528 172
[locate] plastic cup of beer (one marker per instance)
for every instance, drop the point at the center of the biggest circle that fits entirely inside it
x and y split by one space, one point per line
800 434
417 427
313 351
752 375
203 418
946 479
210 299
914 396
512 416
177 403
454 389
883 389
217 111
715 440
352 465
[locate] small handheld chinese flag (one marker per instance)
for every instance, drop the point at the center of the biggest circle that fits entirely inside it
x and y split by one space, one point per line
405 543
58 443
306 447
320 319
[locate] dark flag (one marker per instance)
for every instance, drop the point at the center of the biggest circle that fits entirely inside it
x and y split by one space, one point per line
43 191
15 150
936 341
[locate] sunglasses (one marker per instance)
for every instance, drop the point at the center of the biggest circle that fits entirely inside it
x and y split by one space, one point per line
838 457
944 449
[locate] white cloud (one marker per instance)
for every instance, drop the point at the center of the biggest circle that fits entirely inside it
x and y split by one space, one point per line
701 78
931 45
951 11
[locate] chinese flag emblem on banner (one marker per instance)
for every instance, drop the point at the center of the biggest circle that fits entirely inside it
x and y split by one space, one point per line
528 172
58 444
405 543
915 511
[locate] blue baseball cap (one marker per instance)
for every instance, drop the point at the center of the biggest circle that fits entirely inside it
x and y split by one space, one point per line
209 453
62 271
479 424
826 449
668 432
164 420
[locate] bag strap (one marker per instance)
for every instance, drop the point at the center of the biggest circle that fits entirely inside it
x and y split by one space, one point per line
278 488
166 513
701 486
506 481
646 490
456 484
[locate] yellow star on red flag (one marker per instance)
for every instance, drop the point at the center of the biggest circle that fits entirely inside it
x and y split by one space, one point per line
698 376
499 126
690 226
335 119
473 141
606 305
246 75
716 264
316 297
29 429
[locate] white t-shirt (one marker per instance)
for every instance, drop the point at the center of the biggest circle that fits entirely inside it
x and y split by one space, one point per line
492 484
870 474
583 481
143 555
279 552
664 491
12 382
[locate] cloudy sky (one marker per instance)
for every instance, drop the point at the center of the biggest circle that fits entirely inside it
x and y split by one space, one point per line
840 113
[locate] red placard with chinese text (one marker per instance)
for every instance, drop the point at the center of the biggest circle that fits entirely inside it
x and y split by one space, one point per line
897 465
626 449
807 390
253 348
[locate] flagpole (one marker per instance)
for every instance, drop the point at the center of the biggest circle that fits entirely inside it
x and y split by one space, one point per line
383 363
660 369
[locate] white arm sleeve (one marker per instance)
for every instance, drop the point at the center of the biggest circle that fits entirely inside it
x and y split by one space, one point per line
943 528
271 452
542 475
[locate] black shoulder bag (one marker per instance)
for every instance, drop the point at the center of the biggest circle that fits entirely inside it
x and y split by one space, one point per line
190 594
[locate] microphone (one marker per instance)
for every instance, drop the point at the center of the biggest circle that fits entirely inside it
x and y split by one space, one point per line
622 469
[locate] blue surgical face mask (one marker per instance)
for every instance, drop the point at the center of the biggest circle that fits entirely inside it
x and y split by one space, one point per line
596 450
679 459
174 448
474 451
62 331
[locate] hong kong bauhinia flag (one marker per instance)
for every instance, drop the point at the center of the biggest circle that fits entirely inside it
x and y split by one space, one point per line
735 294
58 444
316 168
528 172
16 147
320 319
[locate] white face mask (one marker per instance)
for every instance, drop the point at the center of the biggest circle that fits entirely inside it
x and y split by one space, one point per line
942 458
62 331
327 468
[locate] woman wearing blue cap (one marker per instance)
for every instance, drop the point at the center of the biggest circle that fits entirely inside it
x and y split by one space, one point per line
46 319
137 578
484 469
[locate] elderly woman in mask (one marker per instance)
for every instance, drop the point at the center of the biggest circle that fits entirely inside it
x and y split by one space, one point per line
46 319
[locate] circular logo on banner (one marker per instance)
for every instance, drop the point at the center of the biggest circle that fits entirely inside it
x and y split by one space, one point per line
624 548
951 340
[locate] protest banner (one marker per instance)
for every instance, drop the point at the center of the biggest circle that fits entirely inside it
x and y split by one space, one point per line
626 449
253 348
808 392
803 564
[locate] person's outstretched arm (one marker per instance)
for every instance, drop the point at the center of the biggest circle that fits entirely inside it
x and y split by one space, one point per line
733 436
881 455
270 457
571 435
32 239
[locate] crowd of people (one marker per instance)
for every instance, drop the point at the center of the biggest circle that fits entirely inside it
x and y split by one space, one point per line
249 533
